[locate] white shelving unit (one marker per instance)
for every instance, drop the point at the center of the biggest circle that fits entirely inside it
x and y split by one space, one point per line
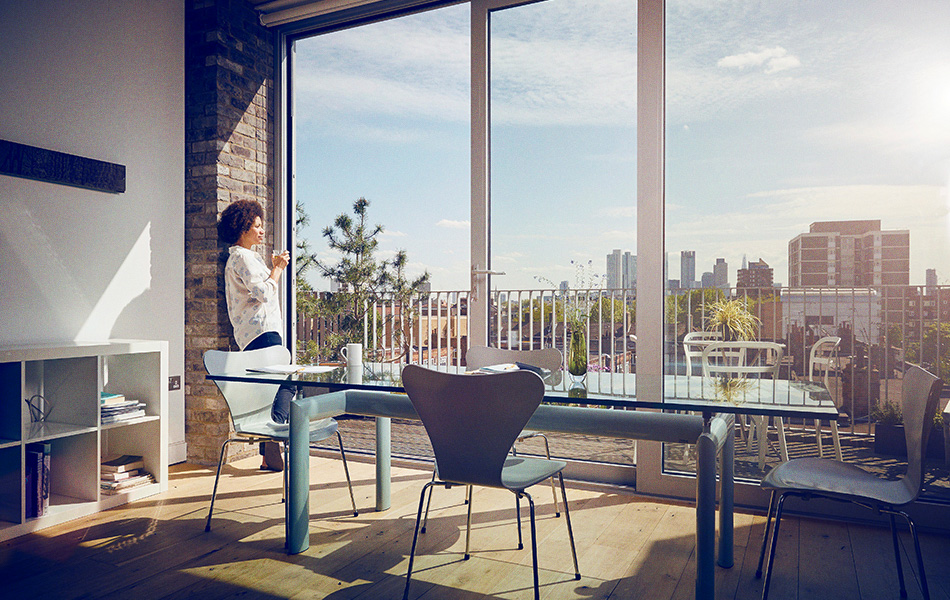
69 378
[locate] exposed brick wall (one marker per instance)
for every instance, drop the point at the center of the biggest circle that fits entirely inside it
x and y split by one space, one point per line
229 154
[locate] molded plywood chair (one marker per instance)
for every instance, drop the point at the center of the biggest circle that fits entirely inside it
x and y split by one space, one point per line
740 360
549 359
472 421
250 406
824 358
835 480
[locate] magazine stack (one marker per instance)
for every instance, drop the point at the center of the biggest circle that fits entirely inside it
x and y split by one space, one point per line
115 408
123 473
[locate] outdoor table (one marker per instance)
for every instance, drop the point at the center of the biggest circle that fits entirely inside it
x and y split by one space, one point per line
377 393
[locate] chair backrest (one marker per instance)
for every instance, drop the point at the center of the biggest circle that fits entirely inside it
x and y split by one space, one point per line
737 360
920 393
483 356
823 356
472 420
694 343
247 402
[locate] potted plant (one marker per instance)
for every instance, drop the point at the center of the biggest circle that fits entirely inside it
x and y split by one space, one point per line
889 432
733 319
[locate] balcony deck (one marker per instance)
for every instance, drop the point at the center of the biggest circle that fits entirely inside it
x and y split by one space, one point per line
628 547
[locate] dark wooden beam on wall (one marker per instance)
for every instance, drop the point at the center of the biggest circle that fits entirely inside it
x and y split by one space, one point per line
30 162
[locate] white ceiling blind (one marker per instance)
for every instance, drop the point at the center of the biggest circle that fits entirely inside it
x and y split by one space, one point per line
275 13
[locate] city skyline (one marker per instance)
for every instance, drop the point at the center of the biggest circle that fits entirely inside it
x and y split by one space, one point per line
777 117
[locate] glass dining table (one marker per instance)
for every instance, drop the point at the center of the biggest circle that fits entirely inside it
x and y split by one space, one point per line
694 409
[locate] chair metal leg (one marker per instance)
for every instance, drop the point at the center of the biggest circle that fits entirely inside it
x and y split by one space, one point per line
897 556
920 557
765 537
214 492
425 519
346 470
415 538
570 530
547 453
518 515
771 563
468 529
534 547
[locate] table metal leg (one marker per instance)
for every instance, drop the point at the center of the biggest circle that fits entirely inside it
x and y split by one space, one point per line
706 517
383 463
298 488
727 495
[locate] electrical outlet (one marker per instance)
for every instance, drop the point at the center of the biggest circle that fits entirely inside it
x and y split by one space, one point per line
174 383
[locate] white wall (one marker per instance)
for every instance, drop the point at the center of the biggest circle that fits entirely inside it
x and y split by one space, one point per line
103 80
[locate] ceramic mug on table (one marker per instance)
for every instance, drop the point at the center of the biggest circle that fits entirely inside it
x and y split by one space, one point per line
353 355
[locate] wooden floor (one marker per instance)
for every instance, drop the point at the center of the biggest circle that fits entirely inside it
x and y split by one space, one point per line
629 547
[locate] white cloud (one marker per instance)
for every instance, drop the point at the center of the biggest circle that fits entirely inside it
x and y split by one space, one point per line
774 59
450 224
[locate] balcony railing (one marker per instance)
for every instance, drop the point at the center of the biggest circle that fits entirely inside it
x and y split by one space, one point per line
881 330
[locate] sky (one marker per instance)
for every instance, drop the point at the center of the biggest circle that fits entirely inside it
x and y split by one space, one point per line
779 114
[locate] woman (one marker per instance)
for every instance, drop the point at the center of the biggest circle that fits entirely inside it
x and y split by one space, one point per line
253 301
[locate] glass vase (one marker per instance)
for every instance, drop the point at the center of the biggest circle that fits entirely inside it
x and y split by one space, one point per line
577 355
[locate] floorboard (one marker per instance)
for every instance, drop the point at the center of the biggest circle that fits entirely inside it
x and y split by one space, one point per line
628 547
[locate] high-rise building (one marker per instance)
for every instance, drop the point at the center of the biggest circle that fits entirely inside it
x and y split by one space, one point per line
629 270
931 282
758 274
721 274
687 269
708 280
849 254
614 270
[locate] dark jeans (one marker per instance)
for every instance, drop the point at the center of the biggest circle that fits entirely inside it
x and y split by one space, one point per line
280 410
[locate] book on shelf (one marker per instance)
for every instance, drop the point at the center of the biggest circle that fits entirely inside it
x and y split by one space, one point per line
107 398
119 476
121 406
37 481
121 464
114 487
122 413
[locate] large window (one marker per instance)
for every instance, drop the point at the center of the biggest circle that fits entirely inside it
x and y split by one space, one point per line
808 148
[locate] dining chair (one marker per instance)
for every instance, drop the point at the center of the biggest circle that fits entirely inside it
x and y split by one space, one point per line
250 404
472 420
835 480
694 343
823 357
741 360
548 359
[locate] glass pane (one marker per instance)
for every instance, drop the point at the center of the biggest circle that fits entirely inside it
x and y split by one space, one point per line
563 190
807 163
381 112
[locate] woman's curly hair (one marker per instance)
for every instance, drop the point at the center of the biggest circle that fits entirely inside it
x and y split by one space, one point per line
237 218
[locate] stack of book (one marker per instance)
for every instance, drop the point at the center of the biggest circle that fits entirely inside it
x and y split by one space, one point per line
115 408
37 479
119 474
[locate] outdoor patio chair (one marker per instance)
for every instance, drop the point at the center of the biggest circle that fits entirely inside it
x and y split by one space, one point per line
250 406
549 359
823 357
742 360
835 480
694 343
472 420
